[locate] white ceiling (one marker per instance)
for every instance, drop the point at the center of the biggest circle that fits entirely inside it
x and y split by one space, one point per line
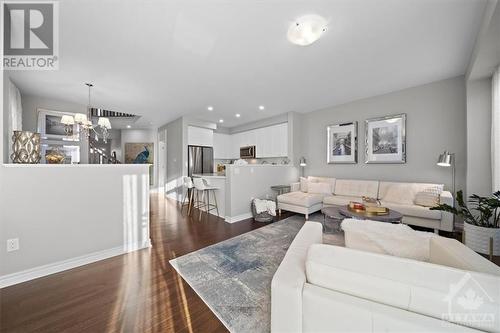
164 59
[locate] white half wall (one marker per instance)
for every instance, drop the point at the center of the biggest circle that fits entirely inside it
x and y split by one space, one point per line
244 183
62 212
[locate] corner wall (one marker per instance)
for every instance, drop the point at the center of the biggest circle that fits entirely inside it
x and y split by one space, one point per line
436 120
479 137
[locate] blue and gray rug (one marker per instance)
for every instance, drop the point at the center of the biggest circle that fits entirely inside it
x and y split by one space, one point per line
234 277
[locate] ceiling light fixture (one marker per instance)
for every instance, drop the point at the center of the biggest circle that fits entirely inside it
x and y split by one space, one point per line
85 125
306 30
261 107
210 108
128 126
221 121
237 115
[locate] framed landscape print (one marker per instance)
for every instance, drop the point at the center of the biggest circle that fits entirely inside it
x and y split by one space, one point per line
385 139
51 128
342 143
140 153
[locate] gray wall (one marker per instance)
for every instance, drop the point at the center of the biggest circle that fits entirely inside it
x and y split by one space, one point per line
4 135
435 122
479 137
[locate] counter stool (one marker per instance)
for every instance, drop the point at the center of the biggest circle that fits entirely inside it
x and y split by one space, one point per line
189 186
202 186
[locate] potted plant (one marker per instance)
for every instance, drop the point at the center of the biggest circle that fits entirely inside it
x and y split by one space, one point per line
481 221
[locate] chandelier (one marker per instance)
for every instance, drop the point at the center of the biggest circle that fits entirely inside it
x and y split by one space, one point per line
85 125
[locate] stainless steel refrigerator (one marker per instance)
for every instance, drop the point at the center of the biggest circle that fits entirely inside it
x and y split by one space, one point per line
200 160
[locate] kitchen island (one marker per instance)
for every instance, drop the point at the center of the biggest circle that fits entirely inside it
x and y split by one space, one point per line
217 180
242 183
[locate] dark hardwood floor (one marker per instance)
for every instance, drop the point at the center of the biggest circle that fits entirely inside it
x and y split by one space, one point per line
136 292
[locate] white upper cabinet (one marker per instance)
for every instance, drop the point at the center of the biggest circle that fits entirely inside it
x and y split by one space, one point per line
222 146
236 143
271 141
198 136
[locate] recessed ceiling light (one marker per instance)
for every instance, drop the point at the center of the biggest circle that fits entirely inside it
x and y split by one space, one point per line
128 126
221 121
210 108
261 107
306 29
237 115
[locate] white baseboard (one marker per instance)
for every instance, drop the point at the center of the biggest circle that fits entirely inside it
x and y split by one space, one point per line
232 219
56 267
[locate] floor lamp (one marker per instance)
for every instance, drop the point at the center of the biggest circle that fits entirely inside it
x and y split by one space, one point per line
302 163
447 160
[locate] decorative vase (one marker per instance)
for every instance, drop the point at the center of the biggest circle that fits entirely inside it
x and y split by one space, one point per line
26 147
478 238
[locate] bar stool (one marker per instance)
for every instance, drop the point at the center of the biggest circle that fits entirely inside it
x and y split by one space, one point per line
189 186
202 186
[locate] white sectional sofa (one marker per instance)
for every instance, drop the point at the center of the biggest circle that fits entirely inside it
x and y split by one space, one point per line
326 288
394 195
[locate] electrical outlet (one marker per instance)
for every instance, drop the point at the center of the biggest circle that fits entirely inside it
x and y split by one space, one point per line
12 244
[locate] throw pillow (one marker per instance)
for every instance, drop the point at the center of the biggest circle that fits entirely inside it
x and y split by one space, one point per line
303 184
319 188
429 197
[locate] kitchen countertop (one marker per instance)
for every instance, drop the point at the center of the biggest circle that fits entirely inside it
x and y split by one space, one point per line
209 175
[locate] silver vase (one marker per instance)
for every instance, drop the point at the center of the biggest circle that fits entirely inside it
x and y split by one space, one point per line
26 147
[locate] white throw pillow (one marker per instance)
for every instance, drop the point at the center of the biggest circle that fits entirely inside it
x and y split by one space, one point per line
429 197
403 193
319 188
303 184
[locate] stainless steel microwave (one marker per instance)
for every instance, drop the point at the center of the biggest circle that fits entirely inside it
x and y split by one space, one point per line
248 152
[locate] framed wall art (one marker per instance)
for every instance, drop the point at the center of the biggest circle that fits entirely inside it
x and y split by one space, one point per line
342 142
385 139
141 153
50 127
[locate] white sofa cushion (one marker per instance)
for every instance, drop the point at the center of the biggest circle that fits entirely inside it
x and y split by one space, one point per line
301 199
404 283
319 188
327 311
328 180
356 188
402 193
413 210
339 200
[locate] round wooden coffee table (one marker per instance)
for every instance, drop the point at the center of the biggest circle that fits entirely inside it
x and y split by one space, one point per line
393 216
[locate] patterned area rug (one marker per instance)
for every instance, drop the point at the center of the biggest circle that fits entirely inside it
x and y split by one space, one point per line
233 277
